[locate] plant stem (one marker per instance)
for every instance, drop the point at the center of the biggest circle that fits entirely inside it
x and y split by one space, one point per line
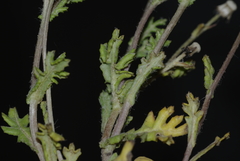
209 95
147 12
195 34
140 79
34 128
188 152
41 48
217 79
181 8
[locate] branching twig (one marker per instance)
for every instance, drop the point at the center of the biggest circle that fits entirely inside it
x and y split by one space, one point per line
126 107
218 77
209 95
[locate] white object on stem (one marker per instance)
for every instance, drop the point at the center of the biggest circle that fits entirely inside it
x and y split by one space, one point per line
226 9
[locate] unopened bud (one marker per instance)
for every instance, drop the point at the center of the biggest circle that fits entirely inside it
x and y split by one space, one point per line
225 10
192 49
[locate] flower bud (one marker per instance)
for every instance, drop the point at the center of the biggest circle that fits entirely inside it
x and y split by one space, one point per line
225 10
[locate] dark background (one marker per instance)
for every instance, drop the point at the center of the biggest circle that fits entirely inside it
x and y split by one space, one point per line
79 33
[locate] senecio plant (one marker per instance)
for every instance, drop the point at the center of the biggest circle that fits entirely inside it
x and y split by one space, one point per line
122 87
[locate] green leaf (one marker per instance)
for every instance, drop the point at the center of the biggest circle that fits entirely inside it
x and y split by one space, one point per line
53 69
105 101
208 71
18 127
193 118
152 27
43 106
125 60
48 145
112 68
106 71
70 153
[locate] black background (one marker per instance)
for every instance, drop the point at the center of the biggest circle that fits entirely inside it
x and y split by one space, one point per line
79 33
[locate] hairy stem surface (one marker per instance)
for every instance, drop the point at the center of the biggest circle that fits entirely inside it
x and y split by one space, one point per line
217 79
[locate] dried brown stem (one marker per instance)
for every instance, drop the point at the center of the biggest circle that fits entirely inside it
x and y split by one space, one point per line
222 70
147 12
181 8
209 95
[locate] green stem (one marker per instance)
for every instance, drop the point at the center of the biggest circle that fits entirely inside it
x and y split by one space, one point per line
195 34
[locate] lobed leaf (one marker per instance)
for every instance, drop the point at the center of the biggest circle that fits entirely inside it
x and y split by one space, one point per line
193 118
149 43
49 149
154 129
18 127
158 129
53 69
49 141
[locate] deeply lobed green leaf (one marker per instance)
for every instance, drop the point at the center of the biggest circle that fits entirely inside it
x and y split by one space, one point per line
53 69
17 127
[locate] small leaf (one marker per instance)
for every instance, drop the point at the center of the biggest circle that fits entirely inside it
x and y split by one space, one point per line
147 41
193 118
105 102
43 106
18 127
70 153
208 71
